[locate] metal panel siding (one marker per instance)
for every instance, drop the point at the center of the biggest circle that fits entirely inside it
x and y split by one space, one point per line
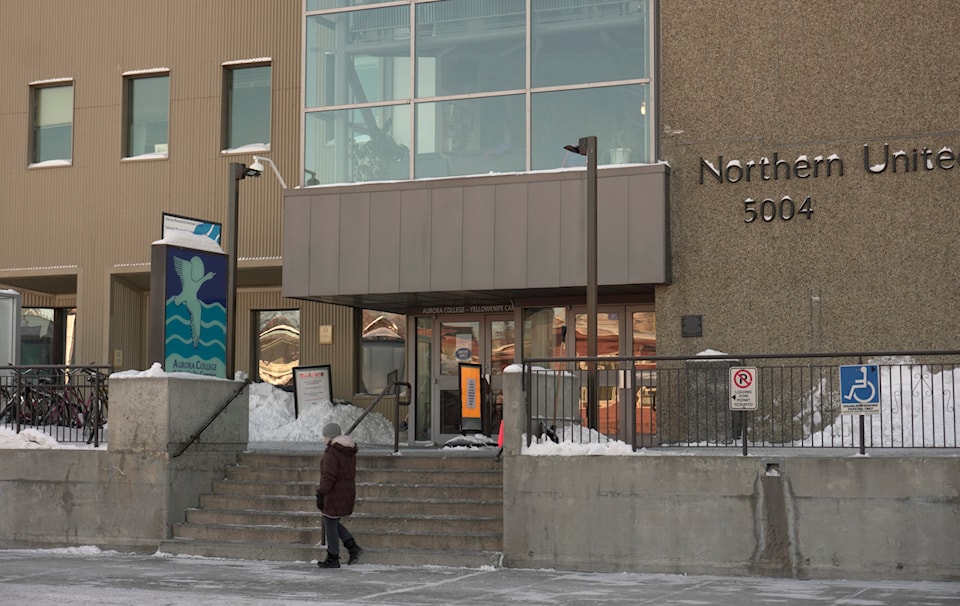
446 233
105 39
613 231
296 247
510 252
543 245
415 231
649 231
478 236
573 226
325 245
384 242
355 243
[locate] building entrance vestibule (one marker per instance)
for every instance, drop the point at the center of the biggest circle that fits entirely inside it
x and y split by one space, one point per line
443 342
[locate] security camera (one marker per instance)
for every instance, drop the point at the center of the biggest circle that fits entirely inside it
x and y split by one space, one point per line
255 169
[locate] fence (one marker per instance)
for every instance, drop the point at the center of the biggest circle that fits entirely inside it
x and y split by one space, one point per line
69 403
672 401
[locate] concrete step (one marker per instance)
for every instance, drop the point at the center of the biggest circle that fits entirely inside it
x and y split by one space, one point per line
311 553
411 510
373 475
358 523
446 540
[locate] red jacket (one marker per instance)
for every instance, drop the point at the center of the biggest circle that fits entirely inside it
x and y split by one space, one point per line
338 472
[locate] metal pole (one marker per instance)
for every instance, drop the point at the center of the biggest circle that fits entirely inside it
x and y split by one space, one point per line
233 209
589 144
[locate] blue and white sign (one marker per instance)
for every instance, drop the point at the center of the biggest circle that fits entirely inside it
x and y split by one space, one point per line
860 389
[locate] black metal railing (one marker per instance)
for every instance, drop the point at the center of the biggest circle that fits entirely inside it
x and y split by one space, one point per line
673 401
68 403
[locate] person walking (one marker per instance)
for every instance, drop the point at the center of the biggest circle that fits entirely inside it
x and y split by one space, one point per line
337 493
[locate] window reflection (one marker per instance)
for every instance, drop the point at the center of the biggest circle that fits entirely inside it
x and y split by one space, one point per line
471 136
478 46
278 346
383 341
354 145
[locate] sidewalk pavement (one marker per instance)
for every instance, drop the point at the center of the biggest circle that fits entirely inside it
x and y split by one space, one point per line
87 576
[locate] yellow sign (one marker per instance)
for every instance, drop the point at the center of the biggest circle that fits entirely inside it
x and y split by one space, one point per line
470 391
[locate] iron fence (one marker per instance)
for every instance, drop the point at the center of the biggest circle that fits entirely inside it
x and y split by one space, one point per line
68 403
672 401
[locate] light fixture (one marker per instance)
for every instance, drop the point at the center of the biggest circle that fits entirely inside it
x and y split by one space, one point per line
643 108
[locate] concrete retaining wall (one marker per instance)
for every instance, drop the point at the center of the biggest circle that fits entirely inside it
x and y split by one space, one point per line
129 495
800 513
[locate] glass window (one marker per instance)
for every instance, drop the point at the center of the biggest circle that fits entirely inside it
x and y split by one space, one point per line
352 145
358 57
52 123
545 332
617 115
424 374
383 337
147 115
317 5
246 106
278 346
471 136
583 41
476 46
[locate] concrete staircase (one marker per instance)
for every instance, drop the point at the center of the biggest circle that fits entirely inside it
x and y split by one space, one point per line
413 509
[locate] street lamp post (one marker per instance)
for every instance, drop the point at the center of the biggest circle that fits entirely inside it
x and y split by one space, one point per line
238 171
588 147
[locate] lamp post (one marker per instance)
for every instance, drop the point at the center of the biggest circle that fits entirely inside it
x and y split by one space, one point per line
588 147
238 171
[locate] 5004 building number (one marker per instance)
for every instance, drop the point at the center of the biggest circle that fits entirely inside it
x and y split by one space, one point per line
769 210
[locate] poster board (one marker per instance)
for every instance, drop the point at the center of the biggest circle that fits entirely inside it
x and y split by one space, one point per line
311 386
471 395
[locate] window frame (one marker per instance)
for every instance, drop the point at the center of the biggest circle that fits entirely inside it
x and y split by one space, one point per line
227 106
128 81
36 89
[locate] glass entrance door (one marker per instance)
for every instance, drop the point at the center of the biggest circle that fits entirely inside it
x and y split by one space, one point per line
484 340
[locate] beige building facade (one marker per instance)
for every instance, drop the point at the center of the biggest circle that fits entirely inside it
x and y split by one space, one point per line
788 177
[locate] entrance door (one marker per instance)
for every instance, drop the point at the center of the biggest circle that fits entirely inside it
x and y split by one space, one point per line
485 340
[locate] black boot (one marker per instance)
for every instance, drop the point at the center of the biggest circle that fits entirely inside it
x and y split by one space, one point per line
355 551
332 561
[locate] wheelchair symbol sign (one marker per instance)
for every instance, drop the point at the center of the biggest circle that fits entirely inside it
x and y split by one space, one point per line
860 389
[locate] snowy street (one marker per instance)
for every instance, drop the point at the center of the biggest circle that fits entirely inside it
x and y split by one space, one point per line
88 577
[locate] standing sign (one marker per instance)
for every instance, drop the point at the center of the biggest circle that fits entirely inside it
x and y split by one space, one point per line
471 392
311 385
860 389
743 388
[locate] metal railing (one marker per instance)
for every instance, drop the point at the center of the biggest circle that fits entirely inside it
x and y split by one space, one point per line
68 403
674 401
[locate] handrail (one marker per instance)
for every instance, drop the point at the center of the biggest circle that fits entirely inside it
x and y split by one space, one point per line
389 390
196 435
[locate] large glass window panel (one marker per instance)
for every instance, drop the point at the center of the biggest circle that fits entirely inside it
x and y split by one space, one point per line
247 106
148 103
354 145
319 5
471 136
52 123
478 46
383 343
358 57
617 115
583 41
278 346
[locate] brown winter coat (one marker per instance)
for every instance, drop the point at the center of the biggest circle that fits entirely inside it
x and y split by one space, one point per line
338 472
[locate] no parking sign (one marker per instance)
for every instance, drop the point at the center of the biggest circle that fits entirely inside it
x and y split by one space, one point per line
743 388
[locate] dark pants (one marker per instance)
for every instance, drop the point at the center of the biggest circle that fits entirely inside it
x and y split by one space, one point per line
335 532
